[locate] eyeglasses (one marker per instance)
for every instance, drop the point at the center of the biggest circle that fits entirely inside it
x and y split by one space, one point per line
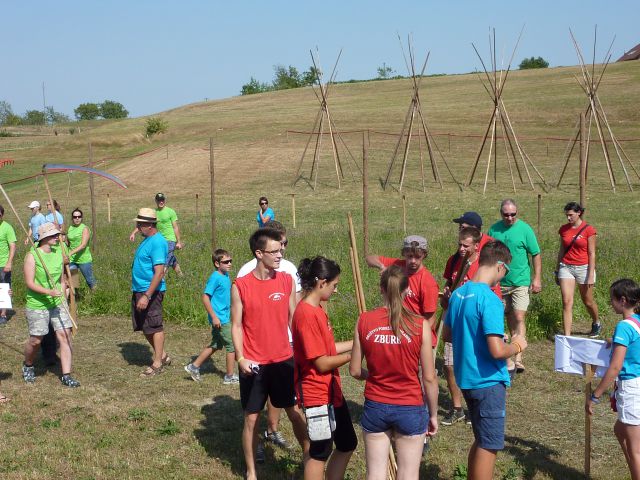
264 203
506 267
285 243
77 216
272 252
508 215
226 262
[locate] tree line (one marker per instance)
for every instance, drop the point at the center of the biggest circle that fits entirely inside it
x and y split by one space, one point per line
107 110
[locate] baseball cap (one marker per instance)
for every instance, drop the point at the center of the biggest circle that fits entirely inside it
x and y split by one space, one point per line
415 241
34 204
160 196
470 218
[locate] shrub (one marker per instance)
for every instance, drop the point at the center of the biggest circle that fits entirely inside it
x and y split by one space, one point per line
533 63
34 117
112 110
87 111
4 133
156 125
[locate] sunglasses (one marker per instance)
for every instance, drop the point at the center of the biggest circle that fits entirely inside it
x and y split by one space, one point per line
226 262
509 215
506 267
264 203
285 243
77 216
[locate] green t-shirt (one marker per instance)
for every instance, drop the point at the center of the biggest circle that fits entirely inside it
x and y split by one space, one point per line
166 216
522 242
53 261
7 236
74 234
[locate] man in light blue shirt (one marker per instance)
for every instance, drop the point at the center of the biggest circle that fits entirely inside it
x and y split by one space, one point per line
35 221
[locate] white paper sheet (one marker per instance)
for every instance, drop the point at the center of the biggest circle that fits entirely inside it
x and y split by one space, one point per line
5 298
571 353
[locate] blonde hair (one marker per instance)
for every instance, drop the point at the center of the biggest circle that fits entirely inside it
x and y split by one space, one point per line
393 282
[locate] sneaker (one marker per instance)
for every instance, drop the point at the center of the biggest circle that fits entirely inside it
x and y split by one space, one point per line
230 379
68 381
3 320
28 374
260 452
277 439
193 371
453 417
596 330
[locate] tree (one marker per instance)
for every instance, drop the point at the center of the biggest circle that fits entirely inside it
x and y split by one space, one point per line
385 72
285 78
111 110
5 111
55 117
34 117
12 120
533 63
254 86
310 77
87 111
155 125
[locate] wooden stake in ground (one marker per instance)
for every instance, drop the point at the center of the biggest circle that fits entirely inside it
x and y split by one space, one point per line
365 193
108 208
404 214
589 371
539 214
213 195
357 276
94 222
197 209
293 209
583 161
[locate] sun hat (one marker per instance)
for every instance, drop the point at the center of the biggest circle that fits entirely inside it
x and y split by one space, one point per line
147 215
415 241
34 204
160 196
47 230
470 218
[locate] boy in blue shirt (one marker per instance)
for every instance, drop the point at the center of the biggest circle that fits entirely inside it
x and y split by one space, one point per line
474 324
217 302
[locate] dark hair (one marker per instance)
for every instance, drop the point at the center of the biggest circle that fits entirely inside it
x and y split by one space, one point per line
1 210
575 206
494 252
277 226
628 289
218 255
312 270
258 240
470 232
79 211
262 199
393 282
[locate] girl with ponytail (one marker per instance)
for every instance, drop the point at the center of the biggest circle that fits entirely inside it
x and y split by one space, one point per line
317 380
395 343
624 369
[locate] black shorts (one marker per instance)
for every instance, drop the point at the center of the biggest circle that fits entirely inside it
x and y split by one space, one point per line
148 321
275 381
344 436
5 277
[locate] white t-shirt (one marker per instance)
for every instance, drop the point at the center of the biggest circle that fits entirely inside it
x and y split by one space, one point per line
285 266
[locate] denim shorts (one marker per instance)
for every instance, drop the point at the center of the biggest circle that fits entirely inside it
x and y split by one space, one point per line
379 417
171 257
487 407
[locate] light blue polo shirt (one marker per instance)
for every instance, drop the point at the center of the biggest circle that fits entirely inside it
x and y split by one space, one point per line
152 251
218 289
626 335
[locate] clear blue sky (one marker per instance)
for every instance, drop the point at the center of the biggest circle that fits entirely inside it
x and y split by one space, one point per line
155 55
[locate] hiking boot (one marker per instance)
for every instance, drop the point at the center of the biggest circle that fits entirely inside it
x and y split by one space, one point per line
454 416
28 373
193 371
230 379
277 439
260 457
596 330
68 381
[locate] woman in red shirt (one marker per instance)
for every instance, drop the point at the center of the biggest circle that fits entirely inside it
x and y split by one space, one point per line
317 359
577 264
395 343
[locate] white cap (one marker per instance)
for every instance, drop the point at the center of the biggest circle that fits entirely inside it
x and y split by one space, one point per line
34 204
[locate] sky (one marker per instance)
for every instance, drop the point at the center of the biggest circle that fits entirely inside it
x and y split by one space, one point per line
154 55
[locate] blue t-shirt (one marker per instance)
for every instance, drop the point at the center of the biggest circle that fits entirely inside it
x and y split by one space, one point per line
219 290
626 335
34 222
152 251
475 312
269 213
49 218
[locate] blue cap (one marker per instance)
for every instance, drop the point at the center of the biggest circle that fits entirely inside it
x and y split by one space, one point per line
470 218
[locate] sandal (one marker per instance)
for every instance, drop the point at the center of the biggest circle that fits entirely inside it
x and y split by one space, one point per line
4 399
166 361
151 371
519 367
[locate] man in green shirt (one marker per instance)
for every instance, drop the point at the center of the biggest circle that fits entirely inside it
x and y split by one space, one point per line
517 284
168 227
7 252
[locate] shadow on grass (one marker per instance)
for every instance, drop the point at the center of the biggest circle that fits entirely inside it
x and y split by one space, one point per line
136 353
5 375
536 458
220 432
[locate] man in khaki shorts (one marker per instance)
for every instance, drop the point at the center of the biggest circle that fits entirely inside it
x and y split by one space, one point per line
517 284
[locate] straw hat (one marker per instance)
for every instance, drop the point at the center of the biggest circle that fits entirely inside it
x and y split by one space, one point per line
47 230
146 215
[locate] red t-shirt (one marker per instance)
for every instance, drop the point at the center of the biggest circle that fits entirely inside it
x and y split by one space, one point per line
422 294
451 272
578 254
484 239
265 317
392 362
313 338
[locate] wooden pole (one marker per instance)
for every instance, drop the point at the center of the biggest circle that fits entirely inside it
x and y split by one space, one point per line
539 213
213 195
94 226
197 209
365 193
583 160
108 208
354 268
293 209
354 246
588 371
404 214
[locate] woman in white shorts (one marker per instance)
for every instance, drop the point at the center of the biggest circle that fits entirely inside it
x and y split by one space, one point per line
577 264
45 283
625 367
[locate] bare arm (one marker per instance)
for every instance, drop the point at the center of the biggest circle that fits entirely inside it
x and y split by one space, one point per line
346 346
206 301
12 252
293 301
327 363
501 351
591 253
132 237
264 218
374 262
355 366
236 332
176 231
560 255
536 283
431 319
615 365
446 333
429 378
158 274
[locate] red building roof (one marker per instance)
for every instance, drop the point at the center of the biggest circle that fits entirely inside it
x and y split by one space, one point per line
633 54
